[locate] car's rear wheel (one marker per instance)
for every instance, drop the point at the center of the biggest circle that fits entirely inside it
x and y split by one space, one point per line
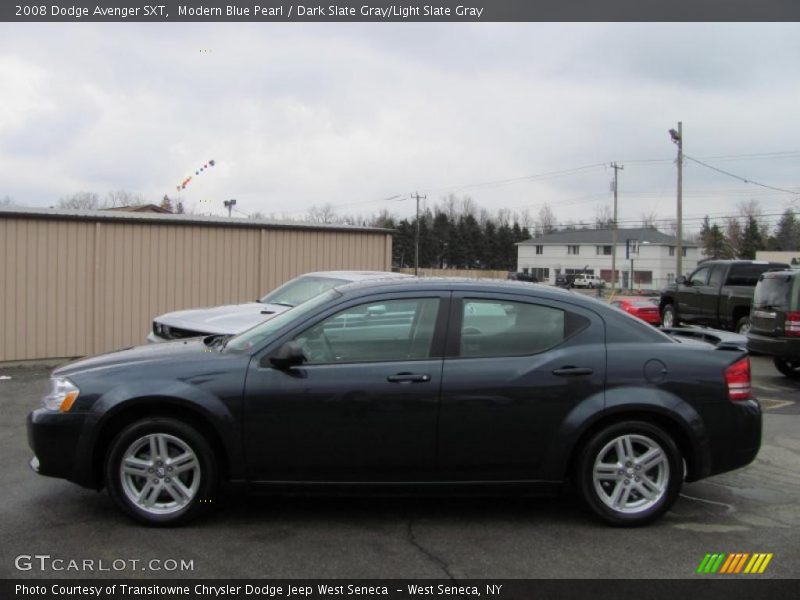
161 471
669 316
788 366
742 326
629 473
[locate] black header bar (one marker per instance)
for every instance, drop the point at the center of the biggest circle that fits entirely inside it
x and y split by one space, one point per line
398 11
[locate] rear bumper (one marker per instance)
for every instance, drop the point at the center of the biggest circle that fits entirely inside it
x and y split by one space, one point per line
773 346
736 439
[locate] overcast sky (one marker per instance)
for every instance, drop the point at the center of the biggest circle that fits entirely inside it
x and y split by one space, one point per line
297 115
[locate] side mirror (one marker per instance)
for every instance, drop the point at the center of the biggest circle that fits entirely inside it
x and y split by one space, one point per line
682 280
289 355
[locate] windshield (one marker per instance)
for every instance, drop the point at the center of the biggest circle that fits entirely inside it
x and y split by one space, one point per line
776 292
256 336
300 290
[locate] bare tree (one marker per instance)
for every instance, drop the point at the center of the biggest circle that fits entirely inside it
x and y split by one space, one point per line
122 198
468 206
603 217
752 208
322 214
503 217
80 201
733 231
546 221
7 201
649 220
450 207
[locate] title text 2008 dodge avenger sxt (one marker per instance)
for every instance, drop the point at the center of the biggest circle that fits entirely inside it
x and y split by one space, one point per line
411 385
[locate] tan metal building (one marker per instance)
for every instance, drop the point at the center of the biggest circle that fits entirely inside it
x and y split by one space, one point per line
74 283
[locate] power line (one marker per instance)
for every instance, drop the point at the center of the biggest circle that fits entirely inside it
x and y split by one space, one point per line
740 178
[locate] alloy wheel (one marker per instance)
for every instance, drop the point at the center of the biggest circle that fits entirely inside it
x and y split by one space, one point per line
160 473
631 473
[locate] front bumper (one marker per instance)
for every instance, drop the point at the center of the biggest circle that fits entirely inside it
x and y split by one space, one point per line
55 439
773 346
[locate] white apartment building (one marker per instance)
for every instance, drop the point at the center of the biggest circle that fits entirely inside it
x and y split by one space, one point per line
645 257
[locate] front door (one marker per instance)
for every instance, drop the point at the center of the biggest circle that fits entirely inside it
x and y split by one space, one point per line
362 407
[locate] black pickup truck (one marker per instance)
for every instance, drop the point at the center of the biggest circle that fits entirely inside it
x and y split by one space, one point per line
717 294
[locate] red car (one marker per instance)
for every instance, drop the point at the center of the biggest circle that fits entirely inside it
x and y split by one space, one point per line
644 309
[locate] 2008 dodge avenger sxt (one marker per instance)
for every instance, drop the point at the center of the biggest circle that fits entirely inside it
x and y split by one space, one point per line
412 385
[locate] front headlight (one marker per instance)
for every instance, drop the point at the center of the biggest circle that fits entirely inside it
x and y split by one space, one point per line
62 394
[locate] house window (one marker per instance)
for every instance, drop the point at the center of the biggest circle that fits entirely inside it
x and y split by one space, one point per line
539 249
541 273
604 250
525 270
672 250
684 250
643 277
573 249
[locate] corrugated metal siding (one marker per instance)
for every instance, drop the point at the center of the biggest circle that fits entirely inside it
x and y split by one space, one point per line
72 288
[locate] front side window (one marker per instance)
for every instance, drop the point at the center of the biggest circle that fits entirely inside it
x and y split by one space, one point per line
700 276
505 328
388 330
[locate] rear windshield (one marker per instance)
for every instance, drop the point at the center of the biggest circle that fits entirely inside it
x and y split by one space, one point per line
748 274
778 292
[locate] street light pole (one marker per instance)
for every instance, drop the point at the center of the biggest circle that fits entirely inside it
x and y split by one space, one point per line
677 138
616 168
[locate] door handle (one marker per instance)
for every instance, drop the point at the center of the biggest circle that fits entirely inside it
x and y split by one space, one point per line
409 378
573 371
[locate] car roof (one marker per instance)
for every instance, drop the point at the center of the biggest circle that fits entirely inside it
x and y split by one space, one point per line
465 284
358 275
784 273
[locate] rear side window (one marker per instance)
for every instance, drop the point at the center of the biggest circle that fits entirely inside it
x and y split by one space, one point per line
746 274
505 328
776 292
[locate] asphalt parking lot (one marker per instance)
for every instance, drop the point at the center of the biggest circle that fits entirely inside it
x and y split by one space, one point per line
755 509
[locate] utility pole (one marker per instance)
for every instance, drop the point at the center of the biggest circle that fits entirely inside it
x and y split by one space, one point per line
616 168
417 197
677 138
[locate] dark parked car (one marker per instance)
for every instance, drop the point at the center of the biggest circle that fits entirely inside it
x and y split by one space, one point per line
522 276
717 294
776 320
414 385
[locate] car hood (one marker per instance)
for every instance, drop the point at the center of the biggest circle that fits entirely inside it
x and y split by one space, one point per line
166 352
231 318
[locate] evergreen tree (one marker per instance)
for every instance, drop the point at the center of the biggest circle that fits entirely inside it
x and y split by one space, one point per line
752 240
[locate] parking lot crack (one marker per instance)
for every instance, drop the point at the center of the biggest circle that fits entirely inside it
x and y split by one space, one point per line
412 539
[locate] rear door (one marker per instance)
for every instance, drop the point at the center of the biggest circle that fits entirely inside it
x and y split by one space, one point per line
514 369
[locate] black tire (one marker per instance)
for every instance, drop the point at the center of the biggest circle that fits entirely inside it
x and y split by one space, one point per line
668 474
673 315
178 437
788 366
742 326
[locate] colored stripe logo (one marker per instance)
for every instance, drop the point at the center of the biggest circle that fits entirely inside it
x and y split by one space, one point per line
735 563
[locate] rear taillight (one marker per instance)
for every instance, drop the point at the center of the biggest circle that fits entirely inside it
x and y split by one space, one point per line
737 377
792 324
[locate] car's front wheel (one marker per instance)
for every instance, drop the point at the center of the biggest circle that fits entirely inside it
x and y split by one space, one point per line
161 471
629 473
788 366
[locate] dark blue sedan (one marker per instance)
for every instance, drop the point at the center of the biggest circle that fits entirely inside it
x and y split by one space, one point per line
410 385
